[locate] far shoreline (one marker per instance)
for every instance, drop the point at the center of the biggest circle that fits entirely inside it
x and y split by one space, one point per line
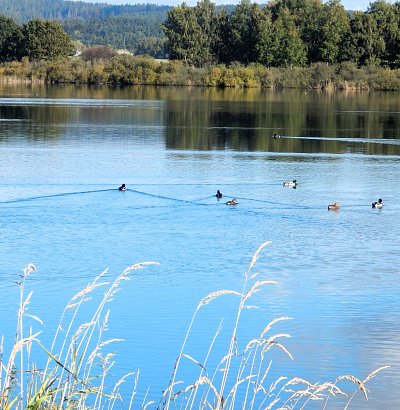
126 70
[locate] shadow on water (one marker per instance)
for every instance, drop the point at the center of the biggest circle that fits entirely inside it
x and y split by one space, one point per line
315 123
208 119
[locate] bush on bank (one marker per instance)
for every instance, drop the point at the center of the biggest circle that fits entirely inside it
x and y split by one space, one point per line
132 70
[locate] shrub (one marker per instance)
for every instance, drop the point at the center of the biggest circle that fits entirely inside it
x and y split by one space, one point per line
98 74
172 73
20 69
214 76
296 77
98 53
60 72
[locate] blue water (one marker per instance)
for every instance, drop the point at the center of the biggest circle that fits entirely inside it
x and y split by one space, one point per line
337 272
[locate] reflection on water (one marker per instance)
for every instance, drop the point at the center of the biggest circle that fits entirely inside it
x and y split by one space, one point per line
209 119
64 151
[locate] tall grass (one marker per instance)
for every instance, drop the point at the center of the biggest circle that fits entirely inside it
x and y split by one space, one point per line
77 366
243 378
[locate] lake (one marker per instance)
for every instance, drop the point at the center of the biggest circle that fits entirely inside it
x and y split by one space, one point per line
64 151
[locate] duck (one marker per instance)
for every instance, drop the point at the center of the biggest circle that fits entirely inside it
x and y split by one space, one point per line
219 194
292 184
122 188
378 204
232 202
333 207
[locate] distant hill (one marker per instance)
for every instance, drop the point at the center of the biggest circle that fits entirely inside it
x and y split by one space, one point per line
132 27
25 10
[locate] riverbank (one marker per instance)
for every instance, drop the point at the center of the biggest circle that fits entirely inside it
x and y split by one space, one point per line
131 70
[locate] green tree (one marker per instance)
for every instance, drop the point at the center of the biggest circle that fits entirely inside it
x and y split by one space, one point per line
207 23
334 28
364 46
221 47
287 47
264 38
244 24
192 33
151 46
46 40
307 16
10 40
387 17
182 32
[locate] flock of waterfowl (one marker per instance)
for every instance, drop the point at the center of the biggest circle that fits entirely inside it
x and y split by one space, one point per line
331 207
293 184
335 206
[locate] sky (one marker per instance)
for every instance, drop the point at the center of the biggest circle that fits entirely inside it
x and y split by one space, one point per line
348 4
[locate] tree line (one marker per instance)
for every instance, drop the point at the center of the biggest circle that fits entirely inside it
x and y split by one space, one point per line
284 33
281 33
61 10
37 40
141 35
136 28
270 46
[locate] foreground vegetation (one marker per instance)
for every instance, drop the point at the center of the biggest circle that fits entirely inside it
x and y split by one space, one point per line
77 363
130 70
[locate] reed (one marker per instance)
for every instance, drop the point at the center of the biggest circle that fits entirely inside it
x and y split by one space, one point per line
243 378
78 363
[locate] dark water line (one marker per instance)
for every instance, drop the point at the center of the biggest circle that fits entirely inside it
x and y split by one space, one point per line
146 207
214 184
203 199
176 184
285 206
32 198
165 197
357 206
193 202
272 202
294 206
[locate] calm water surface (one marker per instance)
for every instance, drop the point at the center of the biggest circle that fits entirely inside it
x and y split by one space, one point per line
64 151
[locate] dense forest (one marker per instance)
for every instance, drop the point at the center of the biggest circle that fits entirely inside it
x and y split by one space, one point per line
136 28
285 33
278 33
25 10
141 35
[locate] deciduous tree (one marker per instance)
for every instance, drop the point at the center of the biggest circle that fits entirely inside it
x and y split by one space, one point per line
46 40
243 32
288 48
364 46
182 32
10 40
387 17
334 28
